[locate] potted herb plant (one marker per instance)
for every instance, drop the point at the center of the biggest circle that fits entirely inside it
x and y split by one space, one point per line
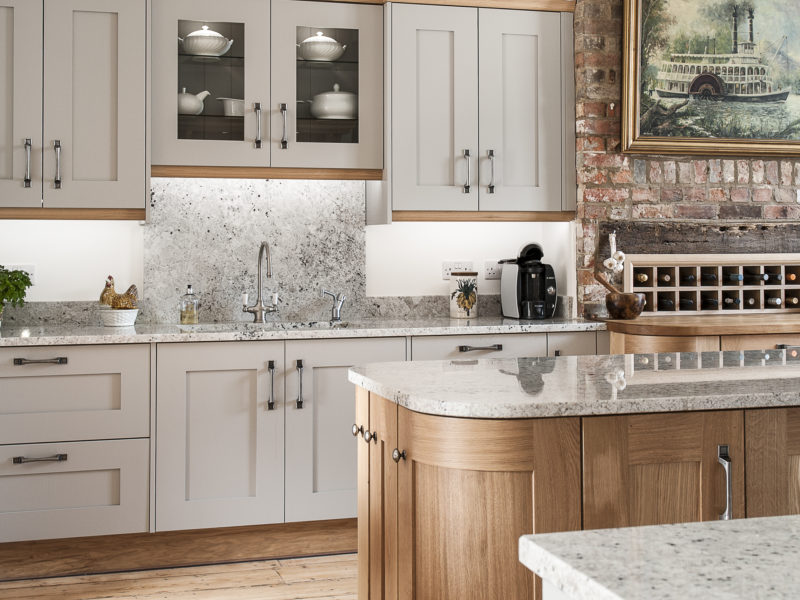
13 285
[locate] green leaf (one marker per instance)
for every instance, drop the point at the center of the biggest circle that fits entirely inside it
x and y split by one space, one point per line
13 286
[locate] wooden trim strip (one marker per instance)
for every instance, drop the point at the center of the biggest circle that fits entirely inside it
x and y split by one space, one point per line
136 551
548 5
265 173
496 216
91 214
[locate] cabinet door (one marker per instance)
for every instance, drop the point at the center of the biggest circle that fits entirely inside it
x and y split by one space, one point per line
219 449
20 102
434 107
571 343
94 103
660 468
472 487
321 460
773 461
520 110
323 131
468 347
212 136
362 423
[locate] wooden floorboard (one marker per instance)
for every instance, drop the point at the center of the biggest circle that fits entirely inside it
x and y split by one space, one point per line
318 578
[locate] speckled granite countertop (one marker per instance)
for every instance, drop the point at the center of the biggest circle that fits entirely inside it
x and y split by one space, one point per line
742 559
224 332
587 385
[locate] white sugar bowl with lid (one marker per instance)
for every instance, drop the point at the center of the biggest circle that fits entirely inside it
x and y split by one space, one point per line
320 47
335 105
205 42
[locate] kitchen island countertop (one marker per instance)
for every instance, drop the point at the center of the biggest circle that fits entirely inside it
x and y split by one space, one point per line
738 559
281 330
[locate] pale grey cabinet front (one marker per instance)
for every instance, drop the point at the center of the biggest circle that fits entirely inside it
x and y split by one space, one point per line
321 453
219 446
478 120
87 131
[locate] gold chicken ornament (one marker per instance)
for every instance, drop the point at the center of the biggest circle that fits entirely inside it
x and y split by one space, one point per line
109 297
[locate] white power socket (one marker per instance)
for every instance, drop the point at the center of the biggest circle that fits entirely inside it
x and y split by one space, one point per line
491 270
448 266
30 269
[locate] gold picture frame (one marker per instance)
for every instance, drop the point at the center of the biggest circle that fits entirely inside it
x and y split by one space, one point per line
634 142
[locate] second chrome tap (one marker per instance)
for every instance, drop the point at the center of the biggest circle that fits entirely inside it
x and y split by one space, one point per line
259 309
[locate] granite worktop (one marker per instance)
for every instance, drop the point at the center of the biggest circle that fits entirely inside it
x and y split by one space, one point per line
515 388
742 559
278 330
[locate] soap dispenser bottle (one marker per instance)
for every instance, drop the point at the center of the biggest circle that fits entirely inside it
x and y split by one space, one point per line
189 306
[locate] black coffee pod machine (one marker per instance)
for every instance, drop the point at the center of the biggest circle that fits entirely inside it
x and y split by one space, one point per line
528 286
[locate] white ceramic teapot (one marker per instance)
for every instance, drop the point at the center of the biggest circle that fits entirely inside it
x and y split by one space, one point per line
191 104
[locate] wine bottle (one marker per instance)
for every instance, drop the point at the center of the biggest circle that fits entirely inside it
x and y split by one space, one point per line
732 301
755 278
664 278
686 304
665 303
750 301
791 276
776 277
710 303
773 301
641 277
688 279
793 300
732 277
708 276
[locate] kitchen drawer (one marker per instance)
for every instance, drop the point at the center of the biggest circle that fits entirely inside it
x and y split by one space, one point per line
444 347
100 488
100 392
768 341
571 343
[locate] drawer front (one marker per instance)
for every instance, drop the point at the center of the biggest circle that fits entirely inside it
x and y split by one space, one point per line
97 488
448 347
96 392
571 343
768 341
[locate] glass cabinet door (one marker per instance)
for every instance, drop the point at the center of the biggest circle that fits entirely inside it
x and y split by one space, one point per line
210 82
327 85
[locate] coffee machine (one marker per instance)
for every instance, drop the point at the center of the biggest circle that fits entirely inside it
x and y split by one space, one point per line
527 285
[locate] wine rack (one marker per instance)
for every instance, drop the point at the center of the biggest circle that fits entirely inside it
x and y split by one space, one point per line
715 283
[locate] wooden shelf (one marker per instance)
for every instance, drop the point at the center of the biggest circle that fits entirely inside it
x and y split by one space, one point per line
265 173
75 214
492 216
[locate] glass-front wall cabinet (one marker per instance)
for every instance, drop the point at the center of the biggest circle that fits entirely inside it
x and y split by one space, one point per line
327 100
210 82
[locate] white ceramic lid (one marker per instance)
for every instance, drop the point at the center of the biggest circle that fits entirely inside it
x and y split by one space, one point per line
336 89
319 37
205 32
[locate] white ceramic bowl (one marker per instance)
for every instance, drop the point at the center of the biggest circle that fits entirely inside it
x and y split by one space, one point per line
320 47
119 317
205 42
232 107
335 105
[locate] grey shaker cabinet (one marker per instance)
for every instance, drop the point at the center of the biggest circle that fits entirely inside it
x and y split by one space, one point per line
501 95
87 131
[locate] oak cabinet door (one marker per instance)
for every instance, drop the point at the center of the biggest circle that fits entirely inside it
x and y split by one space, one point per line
661 468
470 488
434 107
219 448
20 103
94 103
773 461
321 459
520 110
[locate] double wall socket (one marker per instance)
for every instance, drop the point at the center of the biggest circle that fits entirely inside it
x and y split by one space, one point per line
491 270
449 266
30 269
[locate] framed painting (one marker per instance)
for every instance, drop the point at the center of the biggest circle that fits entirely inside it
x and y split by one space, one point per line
711 77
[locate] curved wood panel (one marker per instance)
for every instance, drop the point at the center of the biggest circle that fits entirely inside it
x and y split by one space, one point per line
708 325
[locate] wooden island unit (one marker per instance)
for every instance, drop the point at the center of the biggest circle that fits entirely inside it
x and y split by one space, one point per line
458 459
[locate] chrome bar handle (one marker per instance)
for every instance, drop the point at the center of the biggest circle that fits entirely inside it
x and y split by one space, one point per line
284 138
490 188
469 176
27 182
59 360
475 348
397 455
300 383
257 107
271 399
21 460
725 460
57 148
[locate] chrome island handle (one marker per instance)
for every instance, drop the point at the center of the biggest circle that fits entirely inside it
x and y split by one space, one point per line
58 360
21 460
725 460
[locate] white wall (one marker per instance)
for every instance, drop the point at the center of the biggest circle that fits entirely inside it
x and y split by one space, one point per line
405 259
73 258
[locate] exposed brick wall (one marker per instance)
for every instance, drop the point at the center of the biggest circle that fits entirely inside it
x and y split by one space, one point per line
619 187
